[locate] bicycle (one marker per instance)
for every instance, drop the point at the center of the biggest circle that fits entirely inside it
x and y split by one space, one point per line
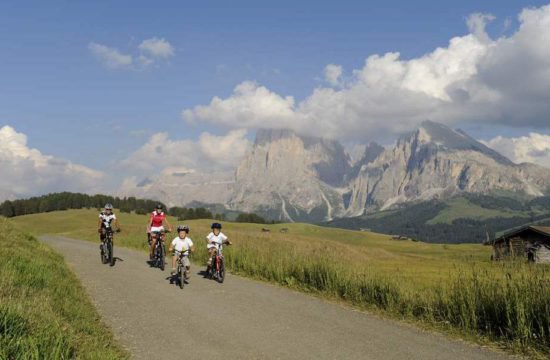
159 253
216 271
107 247
181 272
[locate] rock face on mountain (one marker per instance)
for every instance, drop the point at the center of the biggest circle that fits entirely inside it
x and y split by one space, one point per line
291 177
181 187
437 162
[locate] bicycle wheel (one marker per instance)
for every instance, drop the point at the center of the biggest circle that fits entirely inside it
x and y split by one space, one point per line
212 268
221 271
102 253
161 257
181 276
111 254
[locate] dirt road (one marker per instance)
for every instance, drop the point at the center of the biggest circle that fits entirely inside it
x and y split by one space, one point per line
240 319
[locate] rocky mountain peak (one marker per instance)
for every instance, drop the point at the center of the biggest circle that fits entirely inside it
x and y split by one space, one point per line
438 137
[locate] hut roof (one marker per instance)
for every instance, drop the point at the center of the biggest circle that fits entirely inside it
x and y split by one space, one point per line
543 230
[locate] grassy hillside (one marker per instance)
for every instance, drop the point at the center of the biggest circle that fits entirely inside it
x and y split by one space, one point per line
44 311
460 208
419 263
464 219
452 287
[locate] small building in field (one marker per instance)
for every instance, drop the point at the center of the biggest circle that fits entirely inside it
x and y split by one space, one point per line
531 242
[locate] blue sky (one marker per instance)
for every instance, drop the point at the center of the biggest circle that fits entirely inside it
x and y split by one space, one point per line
70 105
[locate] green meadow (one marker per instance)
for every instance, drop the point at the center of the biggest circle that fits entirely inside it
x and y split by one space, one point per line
455 288
44 311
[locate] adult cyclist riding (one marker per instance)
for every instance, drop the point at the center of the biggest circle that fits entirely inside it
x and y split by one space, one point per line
107 219
156 226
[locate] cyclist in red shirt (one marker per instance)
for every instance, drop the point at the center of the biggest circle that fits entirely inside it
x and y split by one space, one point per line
155 225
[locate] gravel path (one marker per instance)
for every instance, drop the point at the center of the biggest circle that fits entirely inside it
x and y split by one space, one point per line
240 319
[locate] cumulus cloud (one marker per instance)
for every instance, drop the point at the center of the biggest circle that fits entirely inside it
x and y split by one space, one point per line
209 153
534 148
27 171
477 23
110 57
473 79
148 52
333 73
157 48
249 105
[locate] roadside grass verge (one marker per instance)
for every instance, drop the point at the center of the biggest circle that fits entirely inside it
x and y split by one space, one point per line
454 288
44 311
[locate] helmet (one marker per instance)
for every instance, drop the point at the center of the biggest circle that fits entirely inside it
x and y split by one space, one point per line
183 228
159 207
216 226
108 206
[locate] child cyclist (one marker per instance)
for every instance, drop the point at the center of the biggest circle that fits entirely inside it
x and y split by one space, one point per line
182 246
214 240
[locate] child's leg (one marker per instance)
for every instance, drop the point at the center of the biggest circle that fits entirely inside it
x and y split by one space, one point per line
211 253
174 258
187 265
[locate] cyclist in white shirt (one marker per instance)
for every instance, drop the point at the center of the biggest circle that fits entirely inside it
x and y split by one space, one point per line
214 240
182 246
106 221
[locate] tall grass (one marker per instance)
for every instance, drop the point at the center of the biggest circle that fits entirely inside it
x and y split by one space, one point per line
44 312
504 302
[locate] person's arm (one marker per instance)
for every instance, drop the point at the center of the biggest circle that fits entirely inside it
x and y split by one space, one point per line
171 248
99 225
226 240
117 224
150 221
208 239
168 224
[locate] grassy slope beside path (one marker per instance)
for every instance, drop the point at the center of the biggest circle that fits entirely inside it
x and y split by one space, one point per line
44 311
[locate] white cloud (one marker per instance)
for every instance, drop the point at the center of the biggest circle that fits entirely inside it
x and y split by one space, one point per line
157 48
333 74
534 148
209 153
477 23
150 51
473 79
249 104
29 172
110 57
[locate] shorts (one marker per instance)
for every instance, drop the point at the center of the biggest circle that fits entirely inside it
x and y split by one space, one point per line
157 229
184 260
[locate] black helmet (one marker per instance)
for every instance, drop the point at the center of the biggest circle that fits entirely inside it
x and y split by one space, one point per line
183 228
216 226
159 207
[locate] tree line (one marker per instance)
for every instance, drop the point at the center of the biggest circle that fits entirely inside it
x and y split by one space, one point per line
69 200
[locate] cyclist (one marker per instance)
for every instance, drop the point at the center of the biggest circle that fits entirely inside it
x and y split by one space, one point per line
106 221
214 240
182 246
156 225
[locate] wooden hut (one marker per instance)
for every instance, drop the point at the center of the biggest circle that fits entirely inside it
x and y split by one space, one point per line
531 242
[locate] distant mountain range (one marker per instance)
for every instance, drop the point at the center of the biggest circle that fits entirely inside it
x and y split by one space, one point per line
290 177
